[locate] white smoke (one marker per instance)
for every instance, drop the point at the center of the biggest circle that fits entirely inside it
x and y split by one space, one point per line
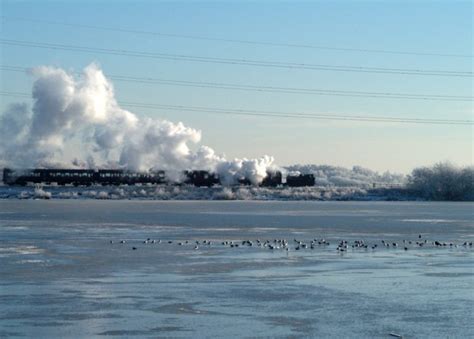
254 169
83 112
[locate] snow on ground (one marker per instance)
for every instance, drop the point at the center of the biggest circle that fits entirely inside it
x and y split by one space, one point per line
185 192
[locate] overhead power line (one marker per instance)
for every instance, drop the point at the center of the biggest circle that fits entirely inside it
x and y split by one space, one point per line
296 115
229 61
15 94
276 114
271 89
237 41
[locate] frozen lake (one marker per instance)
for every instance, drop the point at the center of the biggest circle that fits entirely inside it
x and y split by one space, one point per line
61 277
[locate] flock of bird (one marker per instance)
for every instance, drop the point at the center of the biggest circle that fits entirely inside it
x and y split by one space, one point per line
297 245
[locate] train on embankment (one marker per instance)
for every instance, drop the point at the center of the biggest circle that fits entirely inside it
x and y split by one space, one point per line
107 177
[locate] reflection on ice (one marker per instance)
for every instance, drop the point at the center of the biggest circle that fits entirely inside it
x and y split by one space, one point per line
434 221
22 250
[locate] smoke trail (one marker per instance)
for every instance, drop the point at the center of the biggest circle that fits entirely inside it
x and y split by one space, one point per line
82 112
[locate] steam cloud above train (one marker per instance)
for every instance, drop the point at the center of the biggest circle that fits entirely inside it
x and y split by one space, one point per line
79 115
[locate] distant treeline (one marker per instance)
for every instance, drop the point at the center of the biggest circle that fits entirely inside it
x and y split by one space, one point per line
357 176
443 181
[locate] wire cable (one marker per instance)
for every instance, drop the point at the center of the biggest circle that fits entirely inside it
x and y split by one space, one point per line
269 89
245 62
238 41
266 114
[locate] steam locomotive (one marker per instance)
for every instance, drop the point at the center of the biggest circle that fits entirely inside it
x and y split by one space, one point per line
88 177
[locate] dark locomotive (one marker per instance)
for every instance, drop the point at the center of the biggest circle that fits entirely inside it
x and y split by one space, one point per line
201 178
300 180
88 177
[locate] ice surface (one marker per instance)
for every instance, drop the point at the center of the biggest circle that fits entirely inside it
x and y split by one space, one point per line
61 276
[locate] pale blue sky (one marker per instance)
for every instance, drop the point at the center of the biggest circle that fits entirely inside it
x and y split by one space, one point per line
426 26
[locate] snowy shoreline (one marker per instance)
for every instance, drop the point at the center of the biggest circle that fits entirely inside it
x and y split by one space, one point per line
185 192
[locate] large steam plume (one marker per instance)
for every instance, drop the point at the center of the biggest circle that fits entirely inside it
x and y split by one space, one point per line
82 113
